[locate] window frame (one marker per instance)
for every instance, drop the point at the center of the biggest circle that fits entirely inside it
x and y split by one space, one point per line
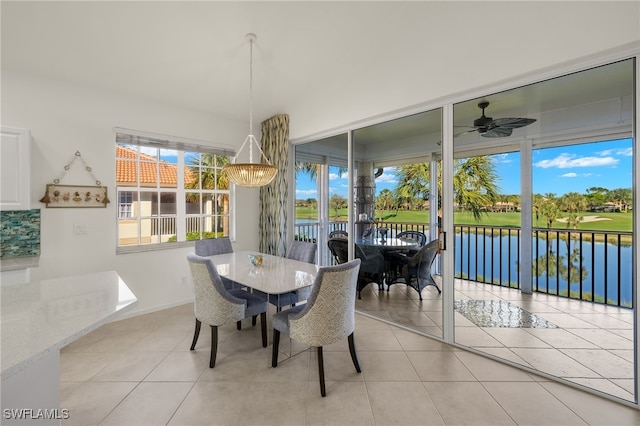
176 221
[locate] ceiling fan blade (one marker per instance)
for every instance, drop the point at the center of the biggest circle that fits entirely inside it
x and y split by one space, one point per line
465 132
497 132
512 123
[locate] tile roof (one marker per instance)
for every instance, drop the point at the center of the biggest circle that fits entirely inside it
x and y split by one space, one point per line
126 170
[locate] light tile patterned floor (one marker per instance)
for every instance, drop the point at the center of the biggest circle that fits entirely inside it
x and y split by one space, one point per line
139 371
592 344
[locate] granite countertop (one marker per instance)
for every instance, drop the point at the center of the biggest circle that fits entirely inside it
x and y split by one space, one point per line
15 263
40 317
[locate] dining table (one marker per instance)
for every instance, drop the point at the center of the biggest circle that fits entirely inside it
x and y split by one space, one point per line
275 275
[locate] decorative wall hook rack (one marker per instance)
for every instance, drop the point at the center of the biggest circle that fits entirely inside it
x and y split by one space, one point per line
57 195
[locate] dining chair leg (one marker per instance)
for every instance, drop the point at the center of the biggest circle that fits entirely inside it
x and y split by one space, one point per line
239 325
214 345
321 371
196 333
263 326
354 355
276 343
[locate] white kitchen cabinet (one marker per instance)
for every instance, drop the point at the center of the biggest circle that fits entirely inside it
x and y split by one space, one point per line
15 165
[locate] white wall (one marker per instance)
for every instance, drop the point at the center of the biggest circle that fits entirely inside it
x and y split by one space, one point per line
64 118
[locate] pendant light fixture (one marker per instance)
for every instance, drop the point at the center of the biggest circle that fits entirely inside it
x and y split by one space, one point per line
251 174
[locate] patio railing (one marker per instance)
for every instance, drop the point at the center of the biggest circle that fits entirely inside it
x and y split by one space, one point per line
593 266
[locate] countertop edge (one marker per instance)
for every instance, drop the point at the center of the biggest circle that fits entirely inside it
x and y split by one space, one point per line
17 263
23 365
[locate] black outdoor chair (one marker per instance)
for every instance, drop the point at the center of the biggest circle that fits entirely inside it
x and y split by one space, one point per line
372 266
339 233
415 271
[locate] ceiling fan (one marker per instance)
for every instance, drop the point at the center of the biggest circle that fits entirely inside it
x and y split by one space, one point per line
498 128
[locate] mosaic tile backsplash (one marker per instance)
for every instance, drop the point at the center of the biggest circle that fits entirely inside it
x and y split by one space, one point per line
20 233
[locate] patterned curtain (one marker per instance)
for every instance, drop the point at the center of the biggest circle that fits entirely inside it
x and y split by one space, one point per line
273 197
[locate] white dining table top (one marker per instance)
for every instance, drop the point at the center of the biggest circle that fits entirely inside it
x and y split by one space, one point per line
276 275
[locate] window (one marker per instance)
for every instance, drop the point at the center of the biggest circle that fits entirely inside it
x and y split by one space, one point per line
125 202
167 194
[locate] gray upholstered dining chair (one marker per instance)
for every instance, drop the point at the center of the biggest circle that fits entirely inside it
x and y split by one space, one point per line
213 246
216 306
303 251
326 318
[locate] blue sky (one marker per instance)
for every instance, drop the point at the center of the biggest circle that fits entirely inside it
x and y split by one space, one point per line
555 170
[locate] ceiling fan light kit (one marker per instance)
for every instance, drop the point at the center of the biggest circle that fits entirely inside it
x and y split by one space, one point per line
251 175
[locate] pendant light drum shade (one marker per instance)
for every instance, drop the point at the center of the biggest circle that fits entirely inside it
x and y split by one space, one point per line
251 174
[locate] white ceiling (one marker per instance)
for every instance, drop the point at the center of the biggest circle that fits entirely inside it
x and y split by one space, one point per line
327 64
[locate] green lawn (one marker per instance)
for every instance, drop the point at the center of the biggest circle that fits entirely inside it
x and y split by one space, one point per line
612 222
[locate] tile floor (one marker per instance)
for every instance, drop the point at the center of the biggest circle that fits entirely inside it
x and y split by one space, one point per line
139 371
592 344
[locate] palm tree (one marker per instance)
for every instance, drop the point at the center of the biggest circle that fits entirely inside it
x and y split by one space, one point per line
549 209
205 172
211 175
573 203
385 200
474 183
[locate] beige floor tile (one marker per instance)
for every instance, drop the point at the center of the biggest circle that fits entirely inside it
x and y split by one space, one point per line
82 366
274 404
476 337
484 369
516 398
149 404
130 366
89 403
159 340
410 401
593 409
212 403
179 367
515 337
560 339
466 403
338 367
604 338
619 388
602 362
434 366
346 403
387 366
415 342
554 362
375 340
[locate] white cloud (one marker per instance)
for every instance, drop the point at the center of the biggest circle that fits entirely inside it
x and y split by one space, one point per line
569 175
334 176
501 158
626 152
565 161
386 177
306 192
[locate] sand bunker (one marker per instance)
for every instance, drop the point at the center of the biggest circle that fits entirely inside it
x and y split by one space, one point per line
586 219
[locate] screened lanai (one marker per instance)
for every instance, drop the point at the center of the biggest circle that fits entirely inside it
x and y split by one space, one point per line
528 294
